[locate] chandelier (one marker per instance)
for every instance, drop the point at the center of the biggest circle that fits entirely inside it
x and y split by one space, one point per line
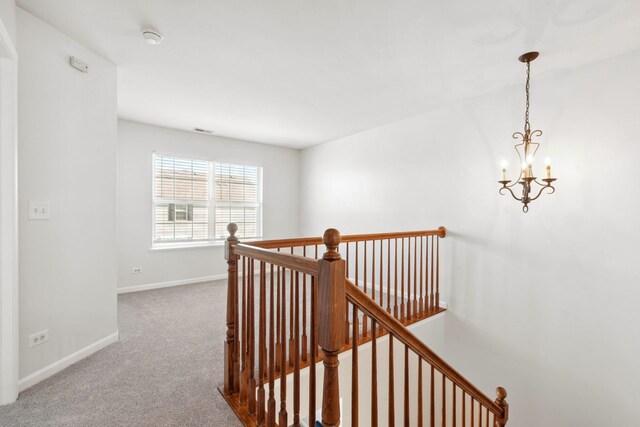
526 151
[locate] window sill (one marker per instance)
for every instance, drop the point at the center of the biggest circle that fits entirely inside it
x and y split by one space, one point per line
157 247
172 246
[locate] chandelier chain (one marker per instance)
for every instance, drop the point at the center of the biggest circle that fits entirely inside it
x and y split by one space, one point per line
527 126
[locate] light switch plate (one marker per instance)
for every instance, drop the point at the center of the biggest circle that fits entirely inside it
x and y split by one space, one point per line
38 209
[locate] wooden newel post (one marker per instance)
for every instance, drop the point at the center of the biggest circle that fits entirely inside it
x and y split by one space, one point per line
501 402
331 309
231 350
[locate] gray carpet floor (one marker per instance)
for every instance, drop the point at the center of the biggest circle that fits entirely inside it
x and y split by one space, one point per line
163 371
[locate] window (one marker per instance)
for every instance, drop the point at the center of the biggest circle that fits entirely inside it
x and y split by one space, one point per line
194 200
238 198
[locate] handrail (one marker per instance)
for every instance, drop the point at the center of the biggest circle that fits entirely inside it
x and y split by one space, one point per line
394 327
311 241
298 263
272 330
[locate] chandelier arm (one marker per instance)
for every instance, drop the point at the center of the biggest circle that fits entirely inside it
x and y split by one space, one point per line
551 187
510 191
536 132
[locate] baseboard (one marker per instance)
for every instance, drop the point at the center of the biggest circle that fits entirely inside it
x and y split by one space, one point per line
55 367
170 283
180 282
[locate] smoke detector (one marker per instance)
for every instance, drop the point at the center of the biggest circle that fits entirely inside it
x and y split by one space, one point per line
152 37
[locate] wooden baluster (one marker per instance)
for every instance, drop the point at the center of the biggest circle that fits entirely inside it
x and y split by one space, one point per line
354 368
364 318
388 275
230 349
347 260
420 413
415 277
453 405
427 296
392 412
296 353
304 311
244 384
373 273
486 423
433 297
282 418
314 347
374 374
437 273
395 283
409 279
402 310
432 405
381 280
502 403
252 339
421 303
261 344
406 387
473 421
271 405
356 320
444 401
278 343
331 300
291 308
346 307
464 409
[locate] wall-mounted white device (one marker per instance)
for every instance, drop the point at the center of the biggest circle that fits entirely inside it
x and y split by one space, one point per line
78 65
38 209
38 338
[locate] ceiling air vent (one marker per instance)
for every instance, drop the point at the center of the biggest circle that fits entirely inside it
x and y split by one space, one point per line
203 130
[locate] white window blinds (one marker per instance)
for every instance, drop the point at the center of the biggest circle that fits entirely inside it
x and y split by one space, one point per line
195 200
181 199
238 198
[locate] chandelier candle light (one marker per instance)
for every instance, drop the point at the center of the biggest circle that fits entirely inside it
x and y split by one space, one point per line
526 151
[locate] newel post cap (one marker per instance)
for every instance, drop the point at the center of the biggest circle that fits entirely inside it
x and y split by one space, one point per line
232 228
502 394
331 239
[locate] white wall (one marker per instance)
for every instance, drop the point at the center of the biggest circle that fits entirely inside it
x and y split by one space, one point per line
8 14
67 155
8 205
544 303
136 145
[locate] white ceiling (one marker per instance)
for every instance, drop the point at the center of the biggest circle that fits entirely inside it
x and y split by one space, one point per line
300 72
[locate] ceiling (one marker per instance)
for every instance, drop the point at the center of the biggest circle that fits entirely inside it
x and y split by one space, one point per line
296 73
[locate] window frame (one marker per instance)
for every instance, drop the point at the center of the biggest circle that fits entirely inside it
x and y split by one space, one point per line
210 204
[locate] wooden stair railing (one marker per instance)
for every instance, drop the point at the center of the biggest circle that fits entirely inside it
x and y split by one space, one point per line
283 307
496 410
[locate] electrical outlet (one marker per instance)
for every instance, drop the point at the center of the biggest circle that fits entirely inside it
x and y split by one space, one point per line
38 338
136 270
38 209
